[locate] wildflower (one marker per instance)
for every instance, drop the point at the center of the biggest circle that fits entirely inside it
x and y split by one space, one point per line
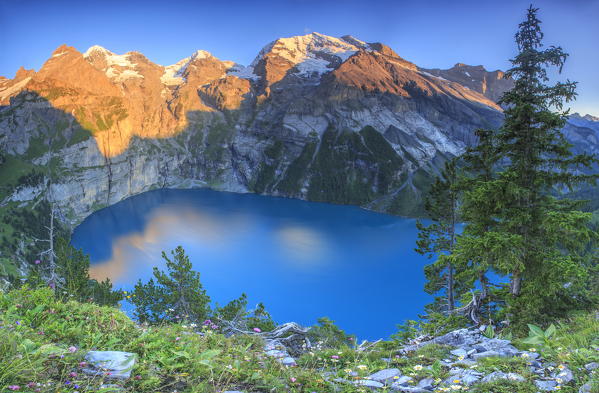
31 385
362 367
73 374
456 387
532 349
348 370
67 382
37 262
396 377
18 323
559 380
82 364
138 377
561 367
72 349
524 355
76 386
456 381
292 379
418 367
257 330
558 387
335 357
177 338
14 387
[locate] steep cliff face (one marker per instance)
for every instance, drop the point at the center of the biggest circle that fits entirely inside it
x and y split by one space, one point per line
313 117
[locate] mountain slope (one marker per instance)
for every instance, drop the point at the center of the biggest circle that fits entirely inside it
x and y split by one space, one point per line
313 117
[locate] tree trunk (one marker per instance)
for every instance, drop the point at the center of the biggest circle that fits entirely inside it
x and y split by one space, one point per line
515 284
450 299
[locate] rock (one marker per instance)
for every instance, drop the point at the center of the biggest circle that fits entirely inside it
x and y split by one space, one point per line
496 375
385 376
528 355
459 352
275 353
369 384
410 389
403 380
486 354
111 364
288 361
591 366
464 376
586 388
545 385
426 383
563 376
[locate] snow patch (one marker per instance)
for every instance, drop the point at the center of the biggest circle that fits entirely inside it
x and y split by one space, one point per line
312 53
173 74
242 72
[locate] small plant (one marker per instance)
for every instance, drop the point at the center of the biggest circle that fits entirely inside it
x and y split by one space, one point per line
489 332
538 336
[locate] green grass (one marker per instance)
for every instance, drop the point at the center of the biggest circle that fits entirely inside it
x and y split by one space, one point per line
43 341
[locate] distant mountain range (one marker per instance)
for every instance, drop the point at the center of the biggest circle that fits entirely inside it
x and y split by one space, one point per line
312 117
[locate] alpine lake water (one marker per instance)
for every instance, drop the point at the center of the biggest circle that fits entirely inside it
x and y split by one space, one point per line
303 260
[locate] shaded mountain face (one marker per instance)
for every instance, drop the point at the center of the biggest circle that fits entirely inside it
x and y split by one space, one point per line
312 117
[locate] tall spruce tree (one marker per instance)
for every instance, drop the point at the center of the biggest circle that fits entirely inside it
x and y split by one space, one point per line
438 239
518 226
474 253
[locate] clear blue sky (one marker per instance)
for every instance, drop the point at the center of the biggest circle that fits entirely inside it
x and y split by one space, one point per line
430 33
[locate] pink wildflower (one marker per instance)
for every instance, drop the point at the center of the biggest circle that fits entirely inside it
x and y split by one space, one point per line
14 387
257 330
292 379
72 349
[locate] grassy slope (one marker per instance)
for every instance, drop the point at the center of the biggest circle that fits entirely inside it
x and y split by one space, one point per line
36 332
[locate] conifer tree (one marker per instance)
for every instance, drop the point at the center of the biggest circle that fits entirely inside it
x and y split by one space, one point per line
517 226
438 239
175 295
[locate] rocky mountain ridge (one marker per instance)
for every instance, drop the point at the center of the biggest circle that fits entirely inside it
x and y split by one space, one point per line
313 117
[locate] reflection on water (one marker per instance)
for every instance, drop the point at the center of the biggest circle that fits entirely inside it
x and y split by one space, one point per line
303 260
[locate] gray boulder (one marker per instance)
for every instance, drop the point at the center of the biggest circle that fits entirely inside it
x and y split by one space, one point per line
545 385
110 364
426 383
591 366
564 375
496 375
486 354
385 376
586 388
369 384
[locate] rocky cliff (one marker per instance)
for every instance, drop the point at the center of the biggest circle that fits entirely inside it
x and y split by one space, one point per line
312 117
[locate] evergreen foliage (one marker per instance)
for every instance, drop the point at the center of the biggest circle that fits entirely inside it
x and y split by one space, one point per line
438 238
172 296
517 226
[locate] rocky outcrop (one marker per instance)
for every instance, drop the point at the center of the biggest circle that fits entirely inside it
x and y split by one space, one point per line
492 84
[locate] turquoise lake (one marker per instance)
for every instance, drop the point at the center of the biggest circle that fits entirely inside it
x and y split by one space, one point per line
303 260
